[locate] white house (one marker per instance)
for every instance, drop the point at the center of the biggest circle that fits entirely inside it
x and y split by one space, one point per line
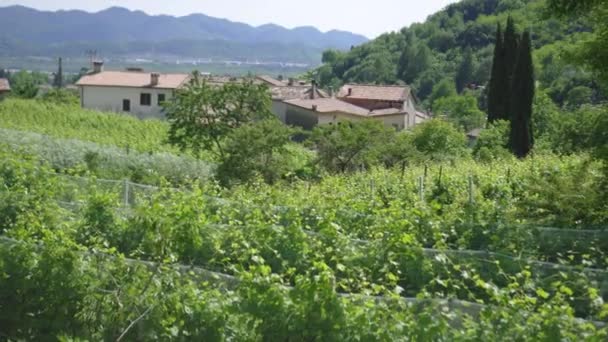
132 91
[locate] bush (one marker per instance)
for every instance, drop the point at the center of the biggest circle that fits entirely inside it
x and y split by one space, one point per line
492 142
439 140
255 149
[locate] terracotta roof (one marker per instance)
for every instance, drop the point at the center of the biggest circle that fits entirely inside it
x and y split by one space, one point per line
387 111
270 80
4 85
132 79
374 92
329 105
294 92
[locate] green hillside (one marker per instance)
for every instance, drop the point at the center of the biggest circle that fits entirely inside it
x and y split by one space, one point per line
424 54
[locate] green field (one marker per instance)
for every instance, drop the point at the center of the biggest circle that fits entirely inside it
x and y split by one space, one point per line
374 255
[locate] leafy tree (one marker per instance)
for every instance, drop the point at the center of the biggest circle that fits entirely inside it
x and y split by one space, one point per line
445 88
202 115
350 145
465 72
496 87
462 110
25 84
439 140
256 148
521 139
593 51
579 96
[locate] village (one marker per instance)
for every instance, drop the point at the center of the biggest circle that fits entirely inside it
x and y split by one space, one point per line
295 102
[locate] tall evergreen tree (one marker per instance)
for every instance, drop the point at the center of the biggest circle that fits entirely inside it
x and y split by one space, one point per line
496 95
511 43
58 81
465 72
521 139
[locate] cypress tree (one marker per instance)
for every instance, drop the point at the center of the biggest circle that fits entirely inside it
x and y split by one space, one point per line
58 81
496 95
510 59
521 139
465 71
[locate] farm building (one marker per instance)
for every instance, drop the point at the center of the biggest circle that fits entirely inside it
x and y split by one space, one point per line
133 91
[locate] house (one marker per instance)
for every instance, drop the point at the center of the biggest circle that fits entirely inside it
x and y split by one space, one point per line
308 113
133 91
270 81
281 94
5 87
393 105
378 96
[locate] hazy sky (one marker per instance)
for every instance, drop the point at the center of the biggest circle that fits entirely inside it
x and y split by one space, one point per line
370 18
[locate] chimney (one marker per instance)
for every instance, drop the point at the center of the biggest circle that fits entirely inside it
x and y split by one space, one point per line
97 67
350 91
154 78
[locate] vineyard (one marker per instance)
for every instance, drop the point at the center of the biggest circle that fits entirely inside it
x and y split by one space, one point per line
463 251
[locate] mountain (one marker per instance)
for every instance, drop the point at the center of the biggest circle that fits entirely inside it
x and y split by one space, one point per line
25 31
424 54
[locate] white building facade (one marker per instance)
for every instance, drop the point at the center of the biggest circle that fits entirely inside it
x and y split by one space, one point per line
137 93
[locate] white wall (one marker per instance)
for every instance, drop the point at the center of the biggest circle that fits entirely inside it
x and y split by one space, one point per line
279 108
110 99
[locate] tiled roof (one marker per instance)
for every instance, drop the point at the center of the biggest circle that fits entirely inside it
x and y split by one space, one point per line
374 92
4 85
294 92
270 80
132 79
387 111
329 105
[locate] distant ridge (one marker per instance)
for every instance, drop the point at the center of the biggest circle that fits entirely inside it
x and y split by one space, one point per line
118 30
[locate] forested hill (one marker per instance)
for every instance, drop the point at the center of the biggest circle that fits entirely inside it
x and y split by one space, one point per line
119 31
457 43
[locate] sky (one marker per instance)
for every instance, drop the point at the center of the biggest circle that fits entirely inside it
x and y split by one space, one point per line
370 18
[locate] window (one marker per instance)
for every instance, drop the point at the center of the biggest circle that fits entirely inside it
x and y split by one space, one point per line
161 99
126 105
145 99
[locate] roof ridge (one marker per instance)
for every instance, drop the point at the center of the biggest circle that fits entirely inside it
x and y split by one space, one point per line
377 85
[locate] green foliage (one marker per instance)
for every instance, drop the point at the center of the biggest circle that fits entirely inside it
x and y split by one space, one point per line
592 50
202 115
493 142
521 139
422 55
443 89
257 148
439 140
25 84
61 97
349 146
72 122
497 106
464 75
462 110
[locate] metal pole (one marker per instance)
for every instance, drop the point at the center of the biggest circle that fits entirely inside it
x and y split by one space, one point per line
126 193
471 200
